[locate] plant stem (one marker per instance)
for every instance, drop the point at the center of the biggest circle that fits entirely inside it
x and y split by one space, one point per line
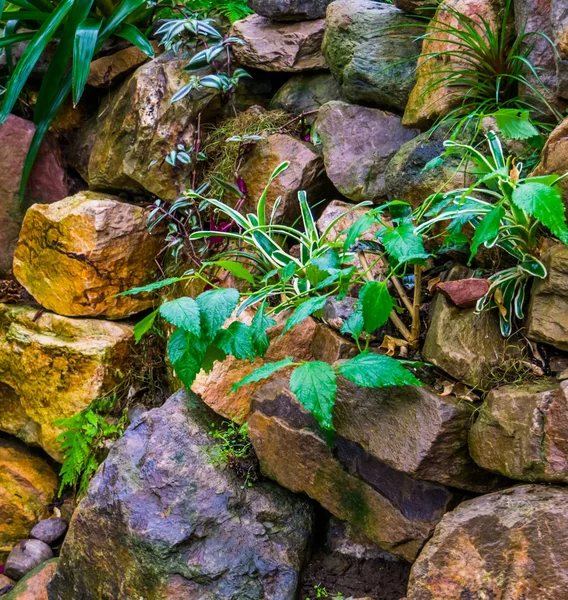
416 305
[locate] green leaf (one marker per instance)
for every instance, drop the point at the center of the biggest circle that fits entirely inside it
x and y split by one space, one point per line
213 354
135 36
377 371
403 244
361 225
515 124
544 203
263 372
183 313
260 324
186 353
487 231
215 307
354 324
307 308
143 326
376 304
235 268
237 341
83 51
434 163
151 286
315 386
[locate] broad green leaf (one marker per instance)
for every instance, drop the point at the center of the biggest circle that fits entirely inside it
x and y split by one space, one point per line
125 8
487 231
315 386
376 304
533 266
354 324
377 371
403 244
143 326
237 341
83 51
213 354
183 313
151 286
215 307
235 268
186 353
434 163
515 124
263 372
361 225
135 36
544 203
307 308
260 324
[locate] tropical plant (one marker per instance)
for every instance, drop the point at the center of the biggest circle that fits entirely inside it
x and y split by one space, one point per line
507 211
80 28
232 9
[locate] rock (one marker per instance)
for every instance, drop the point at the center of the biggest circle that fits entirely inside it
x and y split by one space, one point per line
290 10
137 129
75 255
336 312
358 143
554 157
5 582
371 49
49 530
329 346
349 214
28 484
26 556
406 176
394 511
161 521
429 99
214 387
521 432
34 585
107 70
464 293
305 173
47 182
501 545
280 47
547 317
418 7
559 23
416 432
306 93
52 367
466 345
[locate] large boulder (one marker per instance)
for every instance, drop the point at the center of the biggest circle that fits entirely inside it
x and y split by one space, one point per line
138 127
521 432
358 143
547 317
510 544
106 70
52 367
34 585
371 49
465 344
559 23
75 255
286 47
47 182
28 484
306 172
290 10
306 93
25 556
395 511
431 98
415 431
160 520
554 157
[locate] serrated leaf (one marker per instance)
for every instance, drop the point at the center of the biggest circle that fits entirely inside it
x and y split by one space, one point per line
186 353
215 307
183 313
376 304
236 268
315 386
487 231
237 341
354 324
213 354
143 326
260 324
361 225
309 307
515 124
377 371
404 244
263 372
544 203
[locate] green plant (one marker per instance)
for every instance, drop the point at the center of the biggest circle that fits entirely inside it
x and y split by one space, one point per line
81 27
506 211
83 441
321 592
234 10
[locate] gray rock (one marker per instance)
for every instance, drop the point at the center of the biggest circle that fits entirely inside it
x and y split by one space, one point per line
161 521
559 23
26 556
358 143
336 312
49 530
371 50
290 10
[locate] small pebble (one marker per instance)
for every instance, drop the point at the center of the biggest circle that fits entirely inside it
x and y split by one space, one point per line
49 530
25 556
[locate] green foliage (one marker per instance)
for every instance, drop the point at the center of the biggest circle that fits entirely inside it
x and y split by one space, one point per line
234 10
82 442
505 210
81 27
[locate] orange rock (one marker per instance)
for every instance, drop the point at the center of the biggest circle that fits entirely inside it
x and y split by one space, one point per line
34 585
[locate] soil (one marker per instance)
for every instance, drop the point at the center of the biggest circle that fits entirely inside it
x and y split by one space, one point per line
377 578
